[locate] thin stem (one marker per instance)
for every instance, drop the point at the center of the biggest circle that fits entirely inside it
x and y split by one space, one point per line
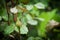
13 4
7 8
15 17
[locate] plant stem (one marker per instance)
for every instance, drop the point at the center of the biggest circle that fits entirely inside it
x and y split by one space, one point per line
7 8
14 15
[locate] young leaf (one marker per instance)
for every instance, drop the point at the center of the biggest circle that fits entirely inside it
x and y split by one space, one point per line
18 22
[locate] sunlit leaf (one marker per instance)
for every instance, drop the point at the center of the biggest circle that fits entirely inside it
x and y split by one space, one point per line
32 22
29 7
40 6
18 23
9 29
23 29
40 19
35 11
28 17
42 26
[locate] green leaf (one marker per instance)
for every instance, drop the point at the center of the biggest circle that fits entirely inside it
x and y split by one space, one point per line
34 38
5 17
9 29
3 12
28 17
47 16
35 11
3 26
30 38
57 17
23 29
16 29
0 18
24 20
29 7
32 22
45 2
40 6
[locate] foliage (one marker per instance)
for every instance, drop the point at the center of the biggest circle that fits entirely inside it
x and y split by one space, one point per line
26 17
47 17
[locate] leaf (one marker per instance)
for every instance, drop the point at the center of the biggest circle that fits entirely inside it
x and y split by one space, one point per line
40 19
24 20
35 11
9 29
3 12
28 17
45 2
57 17
3 26
5 17
38 38
32 22
23 29
30 38
40 6
16 29
0 18
42 26
18 23
34 38
29 7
